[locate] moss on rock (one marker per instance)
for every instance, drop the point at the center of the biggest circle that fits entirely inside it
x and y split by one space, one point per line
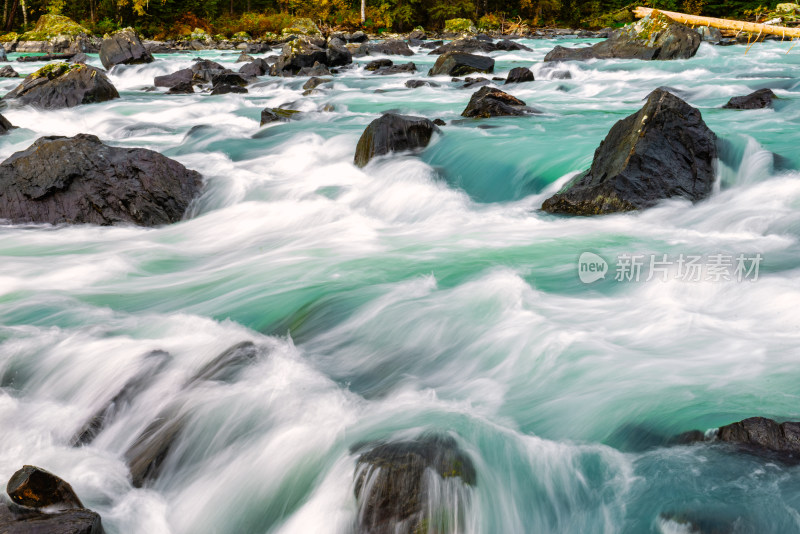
459 26
49 26
302 26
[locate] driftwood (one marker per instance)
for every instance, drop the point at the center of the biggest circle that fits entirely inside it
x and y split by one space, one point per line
723 24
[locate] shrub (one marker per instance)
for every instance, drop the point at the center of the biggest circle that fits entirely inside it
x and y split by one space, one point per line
459 26
490 21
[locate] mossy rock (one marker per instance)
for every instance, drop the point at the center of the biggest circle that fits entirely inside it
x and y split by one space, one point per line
269 36
9 37
54 70
459 26
788 8
649 28
302 26
49 26
241 36
199 34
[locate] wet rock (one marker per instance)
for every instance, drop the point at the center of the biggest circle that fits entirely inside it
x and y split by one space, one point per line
419 35
317 70
337 54
7 71
296 55
257 67
391 47
5 125
709 34
204 70
224 89
520 75
439 122
146 456
18 520
473 45
80 57
461 64
79 180
757 100
226 366
474 83
413 84
665 150
393 133
656 38
269 115
229 78
34 487
153 363
123 48
432 45
488 102
357 37
393 489
62 85
315 82
763 435
171 80
511 46
46 57
181 88
378 63
396 69
244 57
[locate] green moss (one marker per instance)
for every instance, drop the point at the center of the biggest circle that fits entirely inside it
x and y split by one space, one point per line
9 37
241 36
459 26
302 27
49 26
54 70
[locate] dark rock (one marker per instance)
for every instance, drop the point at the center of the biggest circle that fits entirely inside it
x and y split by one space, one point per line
415 42
244 57
393 133
228 78
659 39
376 64
337 54
520 75
171 80
269 115
418 35
257 67
392 484
34 487
709 34
511 46
396 69
760 434
146 456
62 85
432 45
296 55
413 84
461 64
80 57
18 520
467 46
226 366
439 122
46 57
488 102
153 363
5 125
313 83
80 180
756 100
224 89
7 71
391 47
357 37
474 83
123 48
181 88
317 70
665 150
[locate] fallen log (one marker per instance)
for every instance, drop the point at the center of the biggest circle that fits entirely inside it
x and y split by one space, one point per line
46 57
722 24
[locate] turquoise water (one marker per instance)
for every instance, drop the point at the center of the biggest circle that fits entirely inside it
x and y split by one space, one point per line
425 292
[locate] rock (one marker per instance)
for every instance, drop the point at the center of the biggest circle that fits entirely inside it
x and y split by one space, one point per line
317 70
146 456
432 45
34 487
226 366
337 54
413 84
756 100
79 180
709 34
171 80
511 46
313 83
181 88
297 55
439 122
7 71
376 64
269 115
153 363
224 89
392 484
5 126
468 46
80 57
302 26
390 47
357 37
665 150
762 435
472 83
488 102
417 35
124 48
244 57
257 67
393 133
461 64
396 69
17 520
61 85
204 71
46 57
656 38
229 78
520 75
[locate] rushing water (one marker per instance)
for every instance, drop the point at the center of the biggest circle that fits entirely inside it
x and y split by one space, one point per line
422 293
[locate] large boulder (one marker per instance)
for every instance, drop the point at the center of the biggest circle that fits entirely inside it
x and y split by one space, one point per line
18 520
337 53
257 67
80 180
759 434
5 125
124 48
391 47
393 133
302 26
472 45
461 64
396 69
393 485
664 150
653 37
489 102
520 75
34 487
757 100
63 85
297 55
7 71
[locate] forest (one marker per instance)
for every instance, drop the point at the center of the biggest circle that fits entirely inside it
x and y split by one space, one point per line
164 19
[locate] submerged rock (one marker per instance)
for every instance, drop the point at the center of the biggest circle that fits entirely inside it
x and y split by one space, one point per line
520 75
396 69
488 102
762 435
124 48
393 133
376 64
80 180
36 488
413 84
665 150
269 115
224 89
653 38
461 64
18 520
393 489
5 126
181 88
227 365
315 82
757 100
63 85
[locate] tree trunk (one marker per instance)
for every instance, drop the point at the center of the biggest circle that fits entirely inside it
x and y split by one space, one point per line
5 13
722 24
11 15
24 14
363 11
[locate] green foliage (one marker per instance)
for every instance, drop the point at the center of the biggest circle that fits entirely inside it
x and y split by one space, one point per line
489 22
459 26
48 26
302 26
